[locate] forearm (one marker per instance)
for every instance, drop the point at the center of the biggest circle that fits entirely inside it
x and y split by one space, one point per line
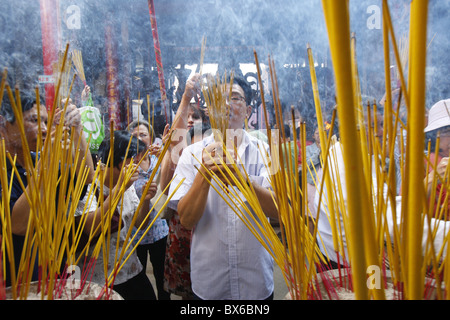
178 143
167 170
266 199
181 117
21 210
20 215
94 218
143 217
192 205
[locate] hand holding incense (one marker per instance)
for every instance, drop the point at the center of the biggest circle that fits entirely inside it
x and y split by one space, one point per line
151 192
193 87
212 157
154 150
129 168
222 164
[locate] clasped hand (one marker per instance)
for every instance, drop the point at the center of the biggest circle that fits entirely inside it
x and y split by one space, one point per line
72 119
134 170
221 163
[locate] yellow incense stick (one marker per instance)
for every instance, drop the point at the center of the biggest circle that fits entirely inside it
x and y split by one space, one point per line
416 125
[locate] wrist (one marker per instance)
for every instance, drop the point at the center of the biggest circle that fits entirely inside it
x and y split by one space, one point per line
189 94
205 175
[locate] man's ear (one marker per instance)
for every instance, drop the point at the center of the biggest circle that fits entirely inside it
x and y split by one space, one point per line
249 111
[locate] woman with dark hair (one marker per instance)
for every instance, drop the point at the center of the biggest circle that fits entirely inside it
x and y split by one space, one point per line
438 127
153 244
33 123
130 281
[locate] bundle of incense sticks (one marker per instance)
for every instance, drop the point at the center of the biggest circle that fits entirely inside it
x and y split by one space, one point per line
216 103
158 59
362 236
52 234
368 237
62 70
77 58
297 248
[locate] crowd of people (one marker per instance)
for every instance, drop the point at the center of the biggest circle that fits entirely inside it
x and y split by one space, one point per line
198 247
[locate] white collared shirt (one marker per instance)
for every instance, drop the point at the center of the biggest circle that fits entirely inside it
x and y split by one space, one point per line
227 261
325 233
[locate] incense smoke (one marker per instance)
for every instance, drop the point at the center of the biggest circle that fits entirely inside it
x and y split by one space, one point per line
233 29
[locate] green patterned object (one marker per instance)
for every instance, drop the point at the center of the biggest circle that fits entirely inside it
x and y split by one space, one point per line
92 126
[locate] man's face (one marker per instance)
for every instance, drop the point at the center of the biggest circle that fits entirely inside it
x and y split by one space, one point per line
32 123
239 110
444 142
317 136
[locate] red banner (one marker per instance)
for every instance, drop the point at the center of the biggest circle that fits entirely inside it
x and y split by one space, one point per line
49 44
112 77
159 65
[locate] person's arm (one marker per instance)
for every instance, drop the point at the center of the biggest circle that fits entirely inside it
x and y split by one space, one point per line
72 121
167 165
143 216
191 89
265 196
20 213
193 204
436 227
93 218
179 142
266 199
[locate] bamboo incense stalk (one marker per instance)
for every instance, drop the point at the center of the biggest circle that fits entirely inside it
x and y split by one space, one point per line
320 124
77 58
388 21
202 54
5 215
266 121
158 58
419 10
337 21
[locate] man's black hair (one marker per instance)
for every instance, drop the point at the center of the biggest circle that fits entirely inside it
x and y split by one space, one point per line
27 100
245 86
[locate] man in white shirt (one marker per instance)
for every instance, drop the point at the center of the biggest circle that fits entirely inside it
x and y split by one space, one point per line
325 234
227 261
